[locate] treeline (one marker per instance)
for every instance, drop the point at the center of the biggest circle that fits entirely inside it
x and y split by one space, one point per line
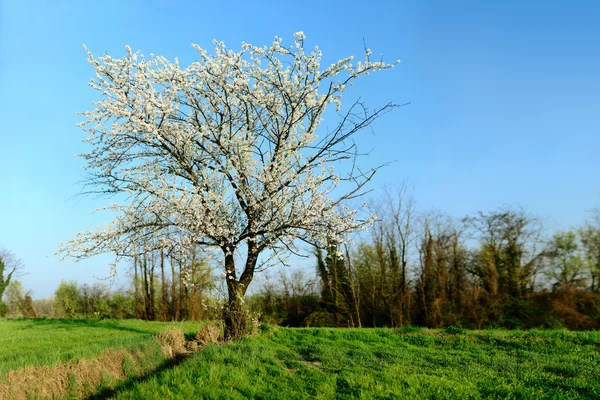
162 287
428 269
70 300
171 287
497 268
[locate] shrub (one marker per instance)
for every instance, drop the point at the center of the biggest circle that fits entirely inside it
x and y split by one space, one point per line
408 329
320 319
454 330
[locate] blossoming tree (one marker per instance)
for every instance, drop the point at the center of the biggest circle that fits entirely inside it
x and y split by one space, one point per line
225 154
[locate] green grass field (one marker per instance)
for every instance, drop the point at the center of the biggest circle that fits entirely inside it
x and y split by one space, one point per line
48 342
385 363
328 363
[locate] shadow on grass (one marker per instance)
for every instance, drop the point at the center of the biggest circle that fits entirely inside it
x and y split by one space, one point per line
109 393
72 324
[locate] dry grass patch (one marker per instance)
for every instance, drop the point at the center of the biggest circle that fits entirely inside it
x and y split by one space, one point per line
208 334
172 342
312 364
80 379
192 346
46 382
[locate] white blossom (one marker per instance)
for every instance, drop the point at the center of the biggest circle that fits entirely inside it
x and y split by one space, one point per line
223 153
300 35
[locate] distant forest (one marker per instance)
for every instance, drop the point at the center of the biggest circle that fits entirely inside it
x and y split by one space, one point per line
490 269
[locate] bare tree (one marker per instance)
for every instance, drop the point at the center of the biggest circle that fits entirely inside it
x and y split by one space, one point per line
442 280
509 258
396 230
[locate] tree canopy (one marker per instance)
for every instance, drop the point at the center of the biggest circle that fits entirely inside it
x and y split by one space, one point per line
225 153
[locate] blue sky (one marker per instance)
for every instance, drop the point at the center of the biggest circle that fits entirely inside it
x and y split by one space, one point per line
505 101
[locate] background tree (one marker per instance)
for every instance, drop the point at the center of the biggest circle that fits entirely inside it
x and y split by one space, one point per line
122 305
14 296
225 154
507 262
339 289
298 297
158 297
27 307
393 236
43 307
441 283
9 264
66 300
566 264
590 242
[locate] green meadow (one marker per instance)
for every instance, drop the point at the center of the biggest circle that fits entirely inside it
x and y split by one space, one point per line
386 364
49 342
319 363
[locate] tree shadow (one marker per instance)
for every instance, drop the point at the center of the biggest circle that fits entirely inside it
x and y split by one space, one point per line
108 392
72 324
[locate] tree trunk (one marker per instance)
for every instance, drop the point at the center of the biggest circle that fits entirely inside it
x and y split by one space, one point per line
151 291
146 290
182 304
236 315
354 287
163 287
138 313
174 296
236 312
192 291
145 294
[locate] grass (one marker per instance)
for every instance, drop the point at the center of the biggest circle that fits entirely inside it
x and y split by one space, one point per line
386 364
49 342
404 363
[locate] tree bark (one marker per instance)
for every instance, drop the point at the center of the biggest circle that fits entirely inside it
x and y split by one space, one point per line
151 290
174 297
163 286
138 313
182 286
192 291
148 306
236 312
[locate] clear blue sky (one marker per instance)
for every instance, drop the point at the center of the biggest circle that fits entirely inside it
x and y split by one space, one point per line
505 101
